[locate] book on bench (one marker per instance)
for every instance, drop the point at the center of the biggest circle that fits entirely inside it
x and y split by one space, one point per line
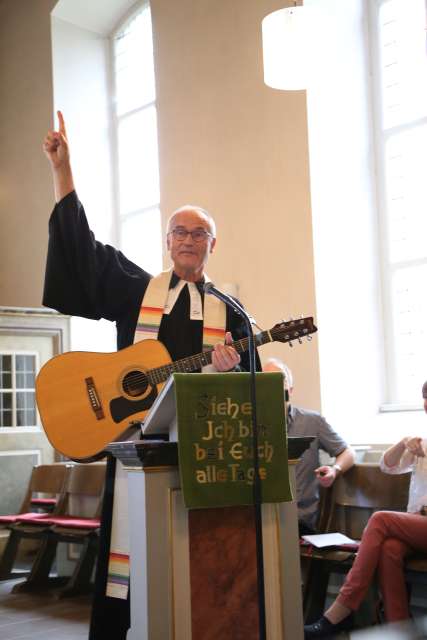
321 540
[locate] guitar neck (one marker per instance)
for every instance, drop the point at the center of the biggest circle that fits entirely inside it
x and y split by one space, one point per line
193 363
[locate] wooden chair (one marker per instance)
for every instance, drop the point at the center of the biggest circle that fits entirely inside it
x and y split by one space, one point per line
353 498
416 571
73 526
47 483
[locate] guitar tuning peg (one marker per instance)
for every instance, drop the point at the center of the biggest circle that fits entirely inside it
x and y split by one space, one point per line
299 340
309 338
290 344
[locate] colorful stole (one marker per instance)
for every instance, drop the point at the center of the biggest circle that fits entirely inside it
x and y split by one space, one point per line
118 558
158 299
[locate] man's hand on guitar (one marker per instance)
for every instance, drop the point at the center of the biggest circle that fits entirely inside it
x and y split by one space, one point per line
225 357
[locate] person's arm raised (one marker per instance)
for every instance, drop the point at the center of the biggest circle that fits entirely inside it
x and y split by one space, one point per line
55 146
411 448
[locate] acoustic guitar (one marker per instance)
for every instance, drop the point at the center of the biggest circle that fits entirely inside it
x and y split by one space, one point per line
87 400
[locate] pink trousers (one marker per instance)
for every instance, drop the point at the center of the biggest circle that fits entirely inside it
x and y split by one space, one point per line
389 536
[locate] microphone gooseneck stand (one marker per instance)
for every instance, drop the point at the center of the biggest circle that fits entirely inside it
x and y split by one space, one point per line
210 288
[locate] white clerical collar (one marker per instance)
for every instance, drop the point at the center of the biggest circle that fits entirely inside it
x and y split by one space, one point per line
196 307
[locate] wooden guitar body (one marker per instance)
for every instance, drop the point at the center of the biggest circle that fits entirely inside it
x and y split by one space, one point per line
82 401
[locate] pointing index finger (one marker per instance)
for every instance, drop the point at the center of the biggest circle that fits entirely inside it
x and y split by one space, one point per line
61 124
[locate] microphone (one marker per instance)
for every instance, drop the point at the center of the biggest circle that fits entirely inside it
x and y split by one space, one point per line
210 288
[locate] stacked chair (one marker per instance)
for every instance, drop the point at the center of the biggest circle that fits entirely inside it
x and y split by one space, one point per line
45 494
69 523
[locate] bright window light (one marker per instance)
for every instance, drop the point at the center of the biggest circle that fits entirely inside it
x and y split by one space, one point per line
137 147
402 143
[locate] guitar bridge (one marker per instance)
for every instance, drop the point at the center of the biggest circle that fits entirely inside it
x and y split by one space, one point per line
94 399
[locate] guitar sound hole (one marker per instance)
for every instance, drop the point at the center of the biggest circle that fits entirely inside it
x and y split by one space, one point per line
135 383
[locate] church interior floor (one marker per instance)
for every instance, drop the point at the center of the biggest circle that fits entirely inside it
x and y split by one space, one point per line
25 616
42 617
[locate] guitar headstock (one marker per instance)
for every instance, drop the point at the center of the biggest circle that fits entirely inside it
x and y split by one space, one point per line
293 330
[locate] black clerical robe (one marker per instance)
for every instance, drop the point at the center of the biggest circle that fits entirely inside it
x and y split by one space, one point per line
89 279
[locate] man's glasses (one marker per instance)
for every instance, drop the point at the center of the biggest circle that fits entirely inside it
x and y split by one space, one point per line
197 235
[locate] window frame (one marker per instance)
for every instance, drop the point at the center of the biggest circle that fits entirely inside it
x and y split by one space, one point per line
381 136
14 389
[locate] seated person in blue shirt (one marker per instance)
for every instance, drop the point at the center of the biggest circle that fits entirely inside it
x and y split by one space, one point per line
309 473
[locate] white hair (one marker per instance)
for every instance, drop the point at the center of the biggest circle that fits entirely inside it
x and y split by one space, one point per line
191 207
287 373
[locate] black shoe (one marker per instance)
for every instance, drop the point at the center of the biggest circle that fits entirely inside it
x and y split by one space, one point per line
325 629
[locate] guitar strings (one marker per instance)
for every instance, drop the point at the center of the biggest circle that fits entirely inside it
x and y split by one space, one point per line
186 365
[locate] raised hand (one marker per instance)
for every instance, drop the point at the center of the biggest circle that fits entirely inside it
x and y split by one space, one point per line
55 145
415 446
56 149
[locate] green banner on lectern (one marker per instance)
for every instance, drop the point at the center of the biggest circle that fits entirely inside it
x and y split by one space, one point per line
215 438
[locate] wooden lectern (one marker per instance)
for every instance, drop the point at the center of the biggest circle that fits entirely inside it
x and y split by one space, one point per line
193 572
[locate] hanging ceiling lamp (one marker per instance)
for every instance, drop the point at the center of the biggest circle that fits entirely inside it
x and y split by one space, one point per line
286 44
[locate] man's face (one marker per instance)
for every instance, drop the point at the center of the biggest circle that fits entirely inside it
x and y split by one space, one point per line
188 256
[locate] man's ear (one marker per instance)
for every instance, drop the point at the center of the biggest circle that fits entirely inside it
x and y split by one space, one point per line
213 243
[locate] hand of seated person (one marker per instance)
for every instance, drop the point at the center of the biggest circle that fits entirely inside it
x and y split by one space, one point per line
326 475
415 446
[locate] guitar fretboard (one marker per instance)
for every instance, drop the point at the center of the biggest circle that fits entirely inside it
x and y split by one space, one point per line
192 363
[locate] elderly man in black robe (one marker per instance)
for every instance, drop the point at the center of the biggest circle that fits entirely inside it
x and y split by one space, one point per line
87 278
